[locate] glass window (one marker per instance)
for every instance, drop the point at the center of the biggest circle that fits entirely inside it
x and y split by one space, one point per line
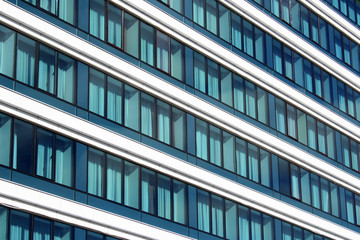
346 47
284 177
114 173
45 153
178 128
147 43
203 206
314 27
97 18
180 202
262 104
248 38
265 166
64 166
7 50
217 215
338 44
305 27
213 79
291 121
253 157
357 105
308 76
318 81
114 100
148 190
288 63
62 231
302 129
357 209
354 155
96 92
131 185
177 59
41 229
341 96
199 12
224 20
325 195
275 7
244 226
93 236
131 108
315 190
268 227
295 15
256 222
298 70
4 223
350 206
5 140
286 231
162 51
285 13
277 56
321 130
164 196
280 108
239 93
350 102
211 16
236 37
19 225
131 35
334 193
66 78
49 5
25 59
305 186
163 122
295 181
96 164
311 129
201 139
324 34
327 87
250 99
115 26
330 141
241 161
259 44
23 146
228 151
177 5
226 86
199 72
230 220
215 145
298 233
148 115
46 74
67 11
345 148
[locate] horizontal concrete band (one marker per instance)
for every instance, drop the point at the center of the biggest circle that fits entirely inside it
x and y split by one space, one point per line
81 130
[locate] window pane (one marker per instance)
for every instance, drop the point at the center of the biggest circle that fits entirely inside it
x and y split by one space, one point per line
239 93
201 139
224 20
250 99
305 186
147 43
350 206
350 102
354 155
268 227
48 5
25 59
325 196
315 194
298 70
163 122
345 149
178 128
277 56
229 151
275 7
253 157
236 38
5 131
286 231
338 44
256 222
67 10
148 190
177 6
66 78
114 178
203 205
244 226
226 86
7 50
19 225
97 18
215 145
148 115
4 223
115 26
295 183
280 108
248 38
284 177
262 104
305 21
265 164
211 16
96 164
180 202
164 196
241 161
162 51
323 34
96 92
308 76
62 231
230 220
131 35
288 63
45 153
46 73
131 108
41 229
314 27
213 79
131 185
301 123
199 72
285 10
321 137
357 208
291 121
177 59
330 142
199 12
114 100
23 155
311 129
341 96
93 236
64 169
318 81
217 215
298 233
334 191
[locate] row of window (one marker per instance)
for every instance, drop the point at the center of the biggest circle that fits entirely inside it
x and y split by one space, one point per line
129 184
349 8
39 152
15 225
137 110
148 44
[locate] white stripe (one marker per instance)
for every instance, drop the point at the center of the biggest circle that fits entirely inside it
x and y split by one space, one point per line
71 126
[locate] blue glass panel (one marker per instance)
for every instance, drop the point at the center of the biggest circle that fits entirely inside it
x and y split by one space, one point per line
199 12
305 186
148 115
64 166
277 56
308 76
215 145
226 86
248 38
96 172
162 51
178 128
163 122
211 16
357 209
132 108
217 215
284 177
114 100
164 196
66 78
177 60
318 81
350 206
114 26
97 18
256 224
305 26
325 195
201 139
286 231
67 11
311 131
239 93
131 185
330 141
7 51
314 27
23 146
350 101
338 44
298 233
244 225
354 155
315 190
5 140
62 231
44 153
280 110
180 196
48 5
41 229
253 158
334 194
230 220
259 45
275 7
268 227
93 236
203 206
224 20
285 13
4 223
328 97
321 130
262 106
26 59
97 92
288 63
265 167
236 37
114 178
298 70
345 150
147 44
301 126
241 152
291 121
131 35
46 73
199 72
148 191
324 34
295 181
250 98
213 79
295 15
346 47
19 225
228 151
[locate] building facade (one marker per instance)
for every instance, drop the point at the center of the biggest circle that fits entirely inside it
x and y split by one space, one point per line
180 119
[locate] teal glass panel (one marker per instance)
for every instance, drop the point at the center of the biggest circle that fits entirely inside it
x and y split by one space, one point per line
308 76
291 121
132 108
180 202
26 60
298 233
321 137
244 223
228 151
96 172
199 72
23 146
49 5
163 122
97 18
295 15
46 73
203 208
19 225
241 158
301 126
62 231
148 191
305 186
177 5
131 35
315 190
280 114
67 11
7 51
215 145
178 128
248 38
44 153
177 66
147 43
330 141
253 158
5 139
131 185
66 79
350 101
148 115
199 12
311 131
114 26
268 227
349 202
334 194
345 150
236 35
259 44
284 177
224 20
64 166
346 48
211 16
250 98
256 224
295 181
262 105
230 220
114 178
338 44
213 79
327 87
201 139
324 34
325 195
226 86
217 215
357 209
314 27
114 100
286 231
4 223
163 51
277 56
298 70
265 167
93 236
41 229
164 196
285 10
318 81
305 26
354 155
97 92
341 90
288 62
239 93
